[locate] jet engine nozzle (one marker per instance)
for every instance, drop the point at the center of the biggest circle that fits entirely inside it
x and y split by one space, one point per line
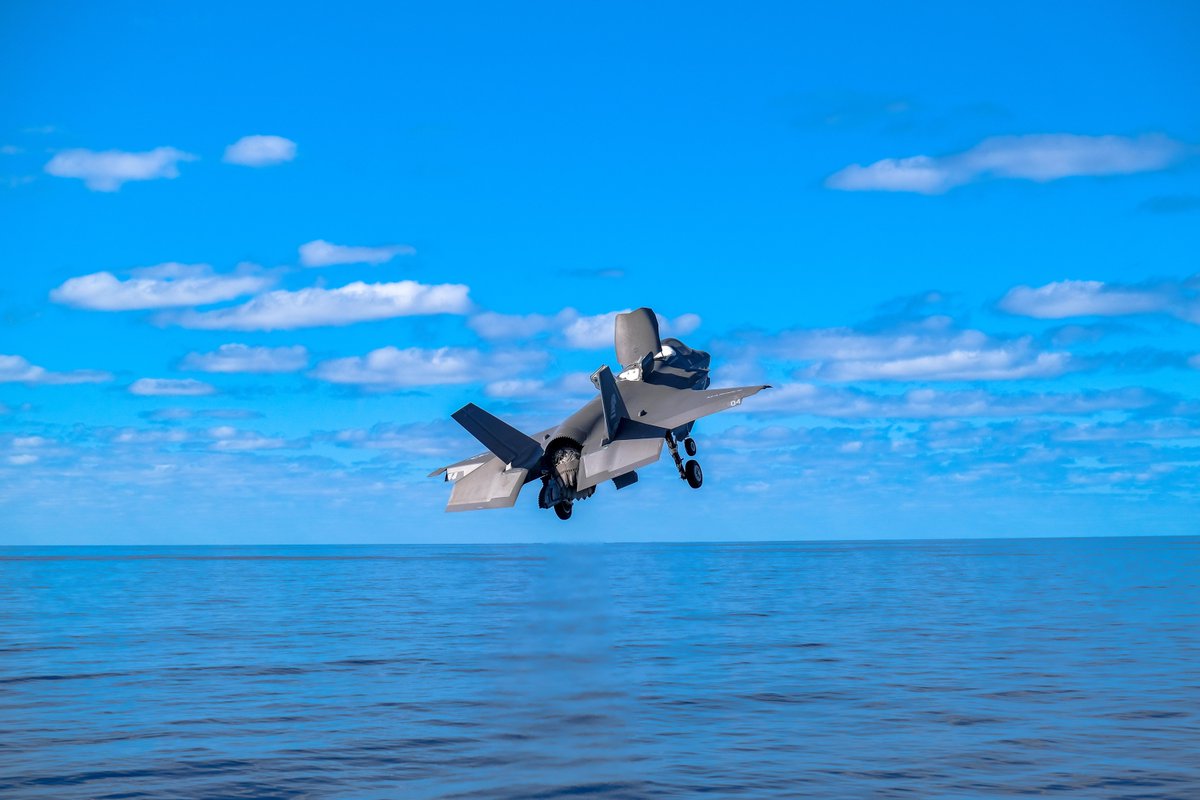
566 468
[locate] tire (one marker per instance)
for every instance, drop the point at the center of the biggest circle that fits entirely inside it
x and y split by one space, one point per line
563 510
693 474
689 444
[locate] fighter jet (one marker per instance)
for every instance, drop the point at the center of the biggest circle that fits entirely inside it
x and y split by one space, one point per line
656 398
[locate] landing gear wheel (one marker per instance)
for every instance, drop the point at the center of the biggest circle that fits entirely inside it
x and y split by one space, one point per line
563 510
689 444
693 474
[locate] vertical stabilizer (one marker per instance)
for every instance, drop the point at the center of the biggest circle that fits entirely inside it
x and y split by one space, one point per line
615 412
503 440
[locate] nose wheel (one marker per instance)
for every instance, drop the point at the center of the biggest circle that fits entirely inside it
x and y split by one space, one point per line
690 471
693 474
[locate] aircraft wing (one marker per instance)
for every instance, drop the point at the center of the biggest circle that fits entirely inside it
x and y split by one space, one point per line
670 408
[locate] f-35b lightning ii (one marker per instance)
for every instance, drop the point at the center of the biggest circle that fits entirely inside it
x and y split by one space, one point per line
656 398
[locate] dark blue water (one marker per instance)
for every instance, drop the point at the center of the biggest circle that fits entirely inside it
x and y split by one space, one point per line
957 669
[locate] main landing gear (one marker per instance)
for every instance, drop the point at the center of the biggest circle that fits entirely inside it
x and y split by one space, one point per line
563 509
690 471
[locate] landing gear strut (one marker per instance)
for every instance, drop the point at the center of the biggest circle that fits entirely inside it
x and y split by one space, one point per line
690 471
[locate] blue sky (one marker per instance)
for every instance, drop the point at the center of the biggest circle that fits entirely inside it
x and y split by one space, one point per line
254 257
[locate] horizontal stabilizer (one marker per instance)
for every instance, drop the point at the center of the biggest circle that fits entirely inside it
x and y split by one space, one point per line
504 441
488 486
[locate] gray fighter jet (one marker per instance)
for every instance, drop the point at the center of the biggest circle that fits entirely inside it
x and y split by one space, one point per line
657 397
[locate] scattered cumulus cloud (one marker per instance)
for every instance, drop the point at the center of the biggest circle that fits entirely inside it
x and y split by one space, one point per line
163 286
317 306
578 331
182 414
838 402
396 368
244 358
514 388
1035 157
435 439
320 253
15 369
108 170
260 151
570 387
171 387
1071 298
930 349
1009 361
230 439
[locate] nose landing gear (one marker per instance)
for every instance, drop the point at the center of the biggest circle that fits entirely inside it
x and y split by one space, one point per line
690 471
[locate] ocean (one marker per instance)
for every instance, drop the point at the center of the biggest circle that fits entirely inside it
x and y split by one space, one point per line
908 669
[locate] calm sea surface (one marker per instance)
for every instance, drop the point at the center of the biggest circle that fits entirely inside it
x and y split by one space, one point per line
1067 668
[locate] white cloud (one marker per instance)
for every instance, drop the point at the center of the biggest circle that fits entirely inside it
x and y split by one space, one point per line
29 441
591 332
1011 361
493 326
171 387
928 349
1062 299
855 404
106 171
317 306
230 439
260 151
569 387
577 330
244 358
683 324
392 367
439 438
1036 157
22 459
320 253
163 286
514 387
15 369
